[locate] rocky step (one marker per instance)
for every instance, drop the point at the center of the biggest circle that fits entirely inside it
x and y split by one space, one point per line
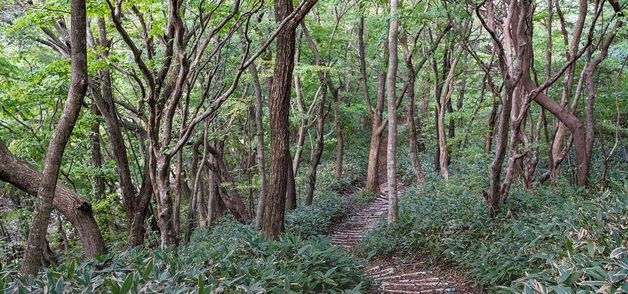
414 274
413 286
437 290
391 278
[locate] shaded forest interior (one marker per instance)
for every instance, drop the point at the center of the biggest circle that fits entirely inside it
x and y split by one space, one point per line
309 146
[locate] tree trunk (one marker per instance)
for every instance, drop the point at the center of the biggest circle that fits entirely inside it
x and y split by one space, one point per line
340 138
56 147
584 166
137 229
161 182
317 149
441 107
291 192
279 106
391 150
213 197
425 104
302 124
377 128
134 205
372 171
261 154
438 92
493 197
411 113
179 179
98 181
490 132
231 197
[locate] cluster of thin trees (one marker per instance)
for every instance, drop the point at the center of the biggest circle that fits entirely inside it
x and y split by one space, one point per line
162 140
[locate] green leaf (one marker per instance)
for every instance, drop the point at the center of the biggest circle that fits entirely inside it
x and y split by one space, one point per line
562 289
201 284
128 283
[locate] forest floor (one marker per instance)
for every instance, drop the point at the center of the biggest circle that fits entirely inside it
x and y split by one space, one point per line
403 272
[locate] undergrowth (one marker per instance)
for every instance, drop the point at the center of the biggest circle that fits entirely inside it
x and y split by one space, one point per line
550 240
230 258
316 219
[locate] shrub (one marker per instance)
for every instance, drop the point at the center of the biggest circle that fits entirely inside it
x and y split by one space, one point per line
559 239
232 258
316 219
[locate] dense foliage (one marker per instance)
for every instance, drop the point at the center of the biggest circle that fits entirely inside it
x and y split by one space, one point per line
205 121
554 238
231 258
316 219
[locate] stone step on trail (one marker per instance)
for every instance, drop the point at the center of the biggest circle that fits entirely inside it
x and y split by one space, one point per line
390 278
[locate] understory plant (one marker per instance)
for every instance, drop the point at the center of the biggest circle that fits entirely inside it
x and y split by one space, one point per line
552 239
231 258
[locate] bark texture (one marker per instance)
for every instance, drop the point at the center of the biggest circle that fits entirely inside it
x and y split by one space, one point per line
56 147
74 208
279 105
391 150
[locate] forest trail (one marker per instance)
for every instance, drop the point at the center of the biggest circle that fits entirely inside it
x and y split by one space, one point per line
393 275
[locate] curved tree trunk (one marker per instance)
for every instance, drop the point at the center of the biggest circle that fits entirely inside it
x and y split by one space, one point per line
73 207
56 147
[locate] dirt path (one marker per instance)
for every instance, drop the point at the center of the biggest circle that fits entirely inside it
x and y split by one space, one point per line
396 274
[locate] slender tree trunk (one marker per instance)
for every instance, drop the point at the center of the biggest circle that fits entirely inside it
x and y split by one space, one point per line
584 166
317 149
137 229
516 118
377 128
291 192
340 138
192 212
560 143
391 76
261 154
197 171
490 132
161 180
438 92
411 113
56 147
441 107
425 104
98 181
302 124
493 198
179 178
134 205
213 197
